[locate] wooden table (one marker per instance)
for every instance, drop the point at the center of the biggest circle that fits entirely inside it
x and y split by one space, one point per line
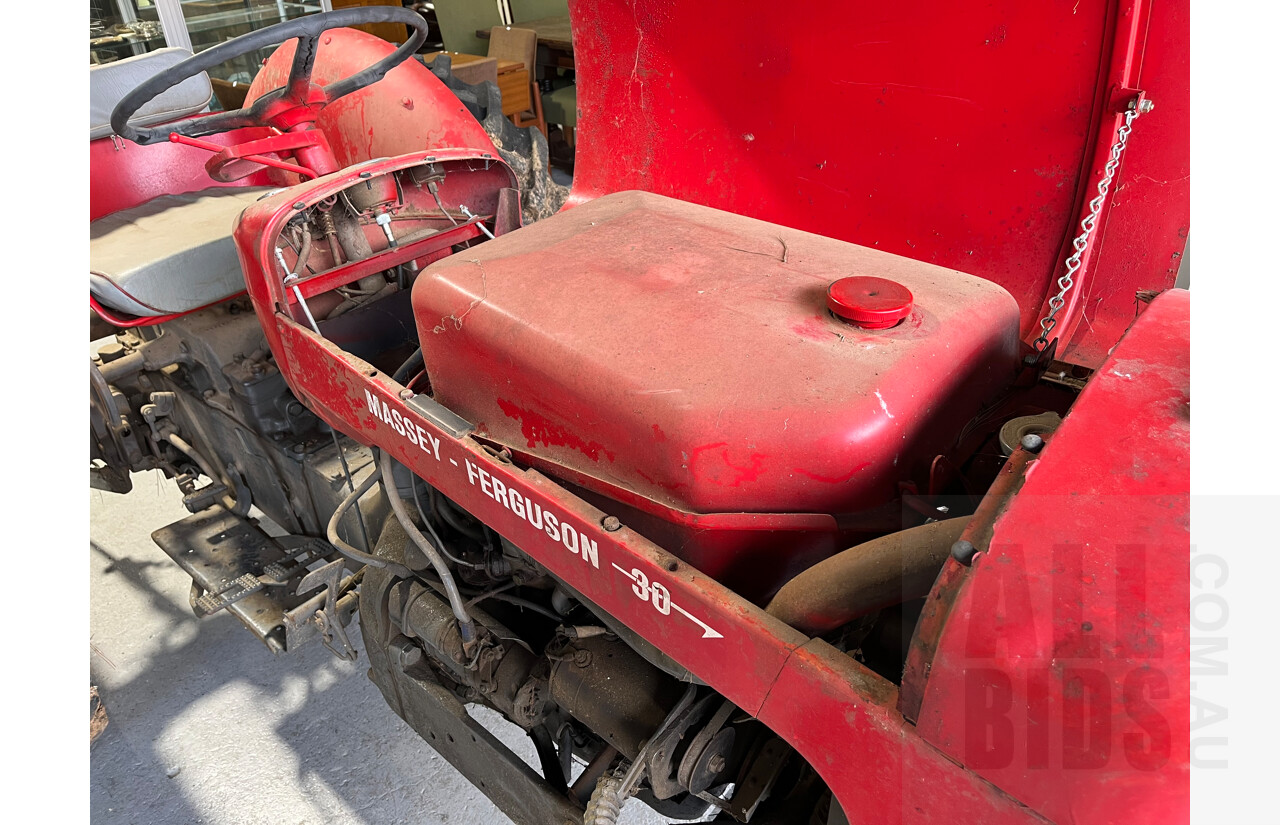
553 32
513 80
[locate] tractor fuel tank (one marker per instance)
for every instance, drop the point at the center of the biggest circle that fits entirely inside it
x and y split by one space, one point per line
686 363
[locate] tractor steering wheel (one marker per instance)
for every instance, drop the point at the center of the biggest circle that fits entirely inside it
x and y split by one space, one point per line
297 102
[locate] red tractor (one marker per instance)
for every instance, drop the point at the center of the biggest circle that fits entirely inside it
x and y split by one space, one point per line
824 460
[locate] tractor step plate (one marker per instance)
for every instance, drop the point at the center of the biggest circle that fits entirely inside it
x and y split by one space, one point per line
225 555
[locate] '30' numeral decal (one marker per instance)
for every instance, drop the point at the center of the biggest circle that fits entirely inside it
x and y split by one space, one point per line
659 595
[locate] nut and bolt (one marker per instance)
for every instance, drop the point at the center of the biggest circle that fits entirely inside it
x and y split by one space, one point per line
715 764
963 552
405 653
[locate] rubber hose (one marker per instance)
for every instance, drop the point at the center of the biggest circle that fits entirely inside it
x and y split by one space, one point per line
405 371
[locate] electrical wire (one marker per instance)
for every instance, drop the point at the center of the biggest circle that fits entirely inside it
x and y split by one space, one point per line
331 531
466 627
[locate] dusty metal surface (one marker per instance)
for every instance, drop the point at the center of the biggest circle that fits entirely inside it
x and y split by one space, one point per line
1062 673
189 698
970 137
218 550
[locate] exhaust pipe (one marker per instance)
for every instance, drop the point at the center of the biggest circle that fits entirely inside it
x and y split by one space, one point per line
873 575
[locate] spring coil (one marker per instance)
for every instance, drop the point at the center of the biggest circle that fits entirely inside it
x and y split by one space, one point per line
605 805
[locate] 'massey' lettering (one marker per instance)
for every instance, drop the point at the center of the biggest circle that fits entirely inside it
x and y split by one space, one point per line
417 436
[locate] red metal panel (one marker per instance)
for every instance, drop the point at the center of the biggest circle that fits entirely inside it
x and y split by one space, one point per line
1062 673
837 714
127 175
960 135
842 718
407 111
686 355
1140 247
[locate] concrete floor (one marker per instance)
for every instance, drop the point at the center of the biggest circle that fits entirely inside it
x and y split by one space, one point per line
206 726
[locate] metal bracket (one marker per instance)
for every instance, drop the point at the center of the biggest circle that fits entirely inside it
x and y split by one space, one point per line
1124 98
328 617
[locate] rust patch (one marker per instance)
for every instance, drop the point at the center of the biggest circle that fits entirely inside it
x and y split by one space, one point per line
538 429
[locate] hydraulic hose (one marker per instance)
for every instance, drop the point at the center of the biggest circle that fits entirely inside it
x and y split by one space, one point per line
466 627
875 574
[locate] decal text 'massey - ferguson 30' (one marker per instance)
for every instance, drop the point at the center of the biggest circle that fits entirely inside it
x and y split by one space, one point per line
556 528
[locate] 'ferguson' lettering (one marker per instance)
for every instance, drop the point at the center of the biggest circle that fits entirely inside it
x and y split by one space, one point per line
532 512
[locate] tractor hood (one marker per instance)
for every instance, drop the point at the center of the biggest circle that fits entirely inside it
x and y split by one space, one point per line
970 136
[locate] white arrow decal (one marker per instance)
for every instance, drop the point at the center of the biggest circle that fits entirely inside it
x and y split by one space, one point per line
658 595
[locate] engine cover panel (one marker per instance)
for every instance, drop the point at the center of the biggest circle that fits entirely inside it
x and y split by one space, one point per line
686 356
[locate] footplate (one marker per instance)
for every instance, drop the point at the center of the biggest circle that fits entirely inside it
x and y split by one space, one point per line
240 569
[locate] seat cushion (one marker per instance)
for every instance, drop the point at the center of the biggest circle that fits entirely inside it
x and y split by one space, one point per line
172 254
109 83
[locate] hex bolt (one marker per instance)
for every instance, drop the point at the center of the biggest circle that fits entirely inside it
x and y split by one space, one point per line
299 205
963 551
715 764
611 524
406 394
1032 443
405 653
1146 105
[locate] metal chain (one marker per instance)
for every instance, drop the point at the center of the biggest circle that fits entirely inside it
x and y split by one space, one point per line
1081 241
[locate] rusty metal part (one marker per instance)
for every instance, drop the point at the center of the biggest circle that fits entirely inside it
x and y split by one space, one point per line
435 711
216 548
875 574
711 762
761 775
97 714
586 781
708 752
665 751
612 690
1014 429
977 533
329 618
499 667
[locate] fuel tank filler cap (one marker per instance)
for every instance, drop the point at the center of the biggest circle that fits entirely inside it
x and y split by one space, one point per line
871 303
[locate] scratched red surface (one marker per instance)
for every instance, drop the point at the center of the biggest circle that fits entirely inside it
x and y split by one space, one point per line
836 714
680 358
407 111
1062 672
959 134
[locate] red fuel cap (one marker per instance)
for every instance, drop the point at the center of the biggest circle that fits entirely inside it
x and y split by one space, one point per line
871 303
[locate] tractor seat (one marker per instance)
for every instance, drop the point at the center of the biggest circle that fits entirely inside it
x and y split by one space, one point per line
172 254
